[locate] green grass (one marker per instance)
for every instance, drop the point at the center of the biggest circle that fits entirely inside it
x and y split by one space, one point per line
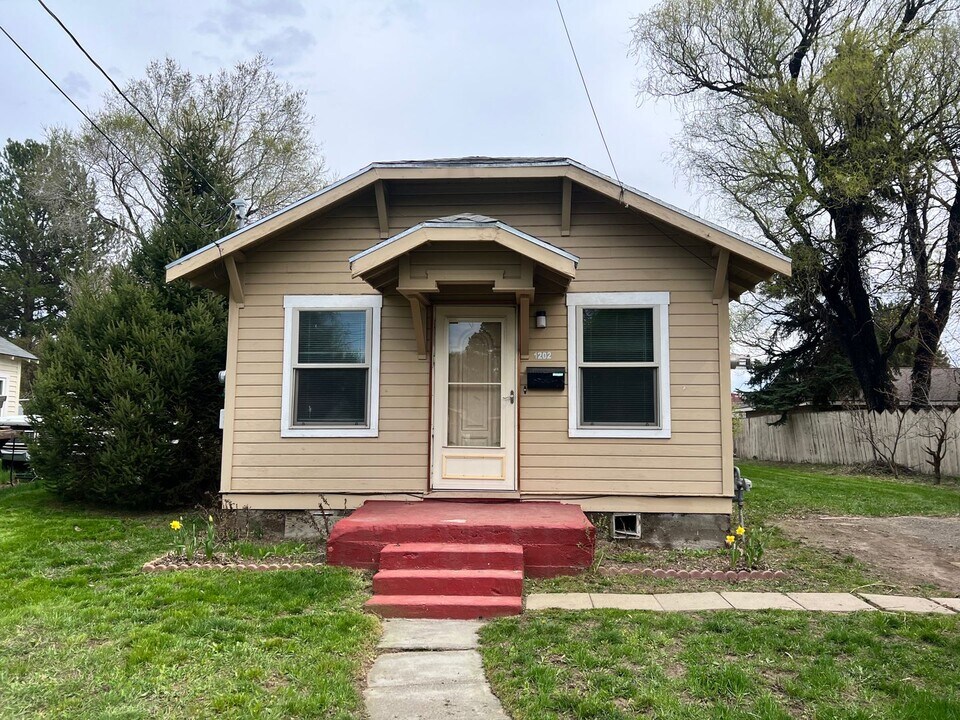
804 489
85 634
764 665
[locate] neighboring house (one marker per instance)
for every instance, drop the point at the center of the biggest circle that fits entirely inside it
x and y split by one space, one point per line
12 360
944 386
521 328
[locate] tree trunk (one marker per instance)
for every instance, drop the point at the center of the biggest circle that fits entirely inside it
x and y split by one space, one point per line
848 300
934 313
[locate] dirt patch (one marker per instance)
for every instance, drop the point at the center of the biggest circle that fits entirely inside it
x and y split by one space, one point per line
913 549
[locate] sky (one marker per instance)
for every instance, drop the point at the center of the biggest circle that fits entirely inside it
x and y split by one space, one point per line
385 79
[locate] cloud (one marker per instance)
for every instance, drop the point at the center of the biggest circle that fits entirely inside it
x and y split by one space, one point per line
244 15
285 47
75 84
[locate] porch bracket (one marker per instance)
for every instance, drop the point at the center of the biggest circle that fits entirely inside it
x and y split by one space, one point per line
381 193
720 279
236 285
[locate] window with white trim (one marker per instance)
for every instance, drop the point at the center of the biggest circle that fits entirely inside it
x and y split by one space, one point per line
3 393
331 366
619 368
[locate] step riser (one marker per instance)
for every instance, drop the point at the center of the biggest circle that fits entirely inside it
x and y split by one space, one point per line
504 587
449 560
426 610
538 560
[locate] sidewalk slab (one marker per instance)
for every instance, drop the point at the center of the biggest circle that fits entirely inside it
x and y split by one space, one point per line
623 601
952 603
830 602
559 601
402 669
463 701
904 603
401 634
690 602
759 601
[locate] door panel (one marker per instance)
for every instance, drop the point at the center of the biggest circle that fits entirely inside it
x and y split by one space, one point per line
474 391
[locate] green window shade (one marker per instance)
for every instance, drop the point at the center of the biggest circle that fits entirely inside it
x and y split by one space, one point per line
331 396
617 335
332 336
618 395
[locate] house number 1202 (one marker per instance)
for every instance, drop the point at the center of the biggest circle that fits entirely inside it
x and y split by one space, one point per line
543 355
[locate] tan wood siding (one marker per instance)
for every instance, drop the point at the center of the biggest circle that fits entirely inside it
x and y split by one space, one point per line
619 250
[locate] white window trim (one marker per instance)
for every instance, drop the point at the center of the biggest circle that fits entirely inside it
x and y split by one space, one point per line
660 302
4 386
291 305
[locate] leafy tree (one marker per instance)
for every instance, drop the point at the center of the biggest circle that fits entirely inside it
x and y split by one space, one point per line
49 232
127 400
263 137
831 125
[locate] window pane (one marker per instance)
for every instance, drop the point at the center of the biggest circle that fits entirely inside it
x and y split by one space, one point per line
618 396
474 352
335 396
332 336
618 334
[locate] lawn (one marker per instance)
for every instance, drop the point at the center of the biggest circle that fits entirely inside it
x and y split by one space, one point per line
788 490
763 665
85 634
803 489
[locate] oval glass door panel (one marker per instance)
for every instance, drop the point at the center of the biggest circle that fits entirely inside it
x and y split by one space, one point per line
474 383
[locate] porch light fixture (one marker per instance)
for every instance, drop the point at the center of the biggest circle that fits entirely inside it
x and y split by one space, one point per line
541 316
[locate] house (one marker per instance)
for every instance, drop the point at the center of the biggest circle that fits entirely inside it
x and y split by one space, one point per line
12 361
520 329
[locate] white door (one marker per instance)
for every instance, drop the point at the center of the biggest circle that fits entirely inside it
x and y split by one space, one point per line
474 399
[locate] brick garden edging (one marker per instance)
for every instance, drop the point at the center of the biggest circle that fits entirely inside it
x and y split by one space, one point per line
159 566
728 575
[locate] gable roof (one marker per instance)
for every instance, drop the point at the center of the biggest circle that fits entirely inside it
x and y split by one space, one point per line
479 167
9 349
555 258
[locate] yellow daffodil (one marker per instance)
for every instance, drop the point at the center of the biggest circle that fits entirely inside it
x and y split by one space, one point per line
730 539
740 530
175 525
209 518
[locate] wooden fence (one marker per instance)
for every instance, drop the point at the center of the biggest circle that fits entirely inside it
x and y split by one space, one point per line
854 437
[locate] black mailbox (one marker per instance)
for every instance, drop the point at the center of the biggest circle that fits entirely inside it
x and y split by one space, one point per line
546 378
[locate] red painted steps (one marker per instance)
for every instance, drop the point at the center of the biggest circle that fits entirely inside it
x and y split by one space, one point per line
448 580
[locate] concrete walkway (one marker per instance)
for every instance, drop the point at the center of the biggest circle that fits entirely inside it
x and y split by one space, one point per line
696 601
430 669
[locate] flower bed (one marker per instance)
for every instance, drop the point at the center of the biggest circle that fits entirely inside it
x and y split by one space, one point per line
728 575
174 562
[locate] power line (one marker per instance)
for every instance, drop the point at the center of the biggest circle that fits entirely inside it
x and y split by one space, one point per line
98 128
583 79
130 102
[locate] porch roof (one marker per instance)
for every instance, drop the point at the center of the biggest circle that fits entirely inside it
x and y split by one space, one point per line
470 228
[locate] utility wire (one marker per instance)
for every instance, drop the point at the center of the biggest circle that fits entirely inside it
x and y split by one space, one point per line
130 102
99 129
583 79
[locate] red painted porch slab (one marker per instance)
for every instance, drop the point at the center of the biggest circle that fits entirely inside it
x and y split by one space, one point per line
444 607
554 535
449 582
454 556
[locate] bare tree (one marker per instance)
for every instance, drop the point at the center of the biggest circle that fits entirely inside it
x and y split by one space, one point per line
264 134
938 429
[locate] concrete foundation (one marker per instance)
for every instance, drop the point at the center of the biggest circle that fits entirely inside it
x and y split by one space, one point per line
683 530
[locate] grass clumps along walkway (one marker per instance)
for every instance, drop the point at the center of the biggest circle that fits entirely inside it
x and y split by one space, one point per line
724 666
85 634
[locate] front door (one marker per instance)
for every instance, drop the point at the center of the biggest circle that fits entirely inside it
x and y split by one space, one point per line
474 399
